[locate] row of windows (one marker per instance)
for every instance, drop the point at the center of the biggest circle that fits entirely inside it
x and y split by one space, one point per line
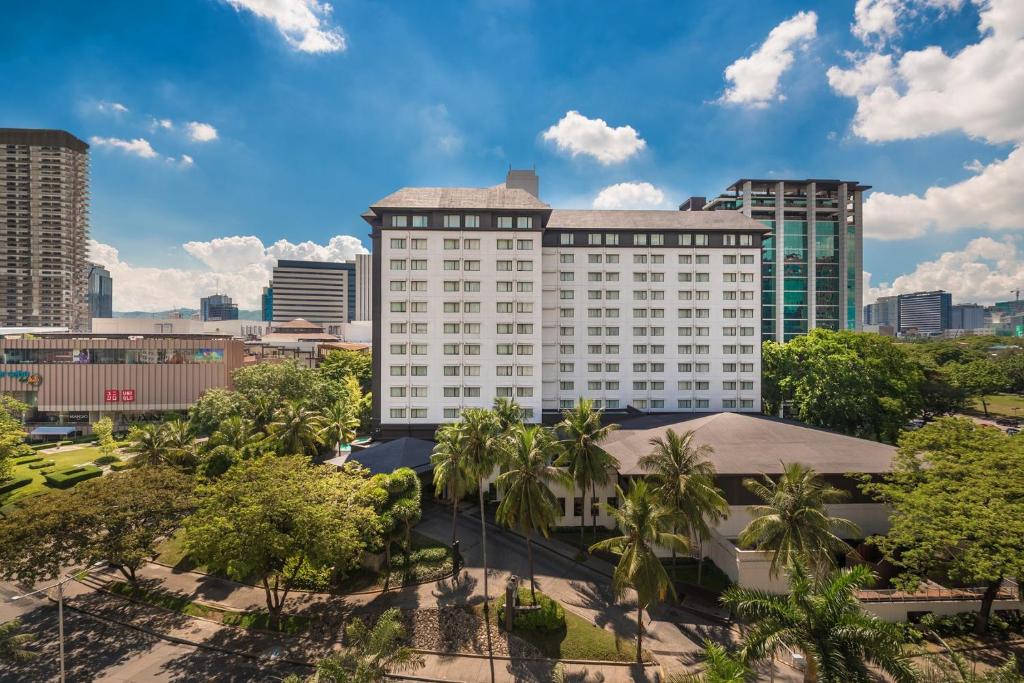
470 244
658 259
527 370
457 221
449 413
656 385
659 404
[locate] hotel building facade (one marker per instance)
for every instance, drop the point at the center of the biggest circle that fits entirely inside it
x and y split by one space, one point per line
485 293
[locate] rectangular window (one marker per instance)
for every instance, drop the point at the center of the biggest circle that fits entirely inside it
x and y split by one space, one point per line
504 245
612 239
419 221
565 239
565 258
524 245
451 221
505 222
451 244
524 222
472 221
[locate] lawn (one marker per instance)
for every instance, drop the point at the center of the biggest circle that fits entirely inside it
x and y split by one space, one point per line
61 460
1001 405
580 639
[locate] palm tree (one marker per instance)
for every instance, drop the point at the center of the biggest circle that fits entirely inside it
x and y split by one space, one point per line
338 425
149 444
953 667
372 654
296 429
793 522
720 666
12 643
450 475
508 413
527 501
480 440
234 439
821 616
179 434
683 479
588 463
643 523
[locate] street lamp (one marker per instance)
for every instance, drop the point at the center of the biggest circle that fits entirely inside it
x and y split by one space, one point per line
60 606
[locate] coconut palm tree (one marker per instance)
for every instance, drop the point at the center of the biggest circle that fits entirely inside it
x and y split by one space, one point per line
821 616
149 444
953 667
683 479
481 438
450 475
588 464
527 501
339 425
643 524
234 440
13 642
793 522
295 429
720 666
508 413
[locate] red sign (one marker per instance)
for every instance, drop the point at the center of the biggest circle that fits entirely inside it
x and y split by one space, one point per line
127 395
111 395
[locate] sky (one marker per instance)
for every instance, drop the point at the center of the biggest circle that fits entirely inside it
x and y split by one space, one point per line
228 133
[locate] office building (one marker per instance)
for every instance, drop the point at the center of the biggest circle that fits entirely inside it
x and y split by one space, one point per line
924 313
267 304
489 292
44 222
813 254
364 287
217 307
967 317
885 312
101 292
318 291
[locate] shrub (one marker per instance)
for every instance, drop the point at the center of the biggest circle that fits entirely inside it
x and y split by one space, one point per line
14 483
549 617
120 466
106 460
40 446
65 479
428 556
41 464
26 460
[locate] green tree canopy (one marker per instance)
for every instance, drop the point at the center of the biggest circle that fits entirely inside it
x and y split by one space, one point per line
103 430
589 465
12 433
339 364
978 378
213 407
957 498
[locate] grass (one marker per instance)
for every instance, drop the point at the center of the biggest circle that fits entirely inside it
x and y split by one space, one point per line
580 639
260 620
62 460
1001 405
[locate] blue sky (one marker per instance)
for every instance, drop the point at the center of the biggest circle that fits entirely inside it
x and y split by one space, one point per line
319 110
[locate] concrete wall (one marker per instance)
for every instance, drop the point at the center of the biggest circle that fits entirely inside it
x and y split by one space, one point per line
872 518
898 610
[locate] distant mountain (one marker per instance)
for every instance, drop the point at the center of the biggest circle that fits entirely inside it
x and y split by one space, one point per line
181 313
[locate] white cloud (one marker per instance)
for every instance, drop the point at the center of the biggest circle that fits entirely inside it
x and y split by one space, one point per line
577 134
631 196
201 132
186 161
986 270
878 21
989 199
925 92
239 266
111 108
974 166
305 24
754 80
166 124
139 146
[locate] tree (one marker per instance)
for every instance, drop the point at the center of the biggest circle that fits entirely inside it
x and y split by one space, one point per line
720 666
793 522
1012 365
450 473
683 480
264 387
643 524
956 492
150 444
401 511
296 430
213 408
372 653
528 502
978 379
12 433
589 464
13 642
338 425
235 439
270 518
358 401
953 667
822 618
118 519
508 413
339 364
103 430
481 440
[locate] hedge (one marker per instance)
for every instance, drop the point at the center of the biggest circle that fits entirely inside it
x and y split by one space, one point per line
550 616
27 459
119 466
65 479
40 465
106 460
15 483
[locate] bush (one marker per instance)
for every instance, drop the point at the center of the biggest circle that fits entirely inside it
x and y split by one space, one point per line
41 464
120 466
40 446
15 483
428 556
65 479
549 617
26 460
106 460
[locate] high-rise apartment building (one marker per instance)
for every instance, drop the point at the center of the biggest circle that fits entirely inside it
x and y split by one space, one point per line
925 312
267 304
364 287
885 311
44 219
318 291
813 255
489 292
217 307
101 291
967 317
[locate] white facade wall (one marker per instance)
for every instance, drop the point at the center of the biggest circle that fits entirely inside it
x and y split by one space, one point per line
235 328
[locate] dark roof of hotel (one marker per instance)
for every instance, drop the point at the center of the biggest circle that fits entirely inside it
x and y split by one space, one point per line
499 197
748 444
41 137
824 182
632 219
385 458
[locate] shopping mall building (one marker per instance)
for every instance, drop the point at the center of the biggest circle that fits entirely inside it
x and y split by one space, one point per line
72 380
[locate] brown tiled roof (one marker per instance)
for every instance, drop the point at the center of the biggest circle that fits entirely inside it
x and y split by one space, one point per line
498 197
690 220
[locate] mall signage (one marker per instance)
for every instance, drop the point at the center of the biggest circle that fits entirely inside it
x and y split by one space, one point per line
119 395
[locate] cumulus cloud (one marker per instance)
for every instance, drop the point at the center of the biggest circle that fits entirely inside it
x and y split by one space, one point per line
925 92
111 108
754 80
878 21
577 134
305 24
139 146
631 196
239 266
985 271
201 132
166 124
989 199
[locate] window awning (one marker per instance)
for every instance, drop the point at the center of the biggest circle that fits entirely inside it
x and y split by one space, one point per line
53 431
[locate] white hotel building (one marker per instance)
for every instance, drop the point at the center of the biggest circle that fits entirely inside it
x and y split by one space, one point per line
480 293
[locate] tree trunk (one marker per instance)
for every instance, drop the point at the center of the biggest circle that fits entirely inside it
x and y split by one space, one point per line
529 557
455 509
700 561
639 630
387 563
984 405
674 571
593 510
483 535
810 669
991 591
273 605
583 521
